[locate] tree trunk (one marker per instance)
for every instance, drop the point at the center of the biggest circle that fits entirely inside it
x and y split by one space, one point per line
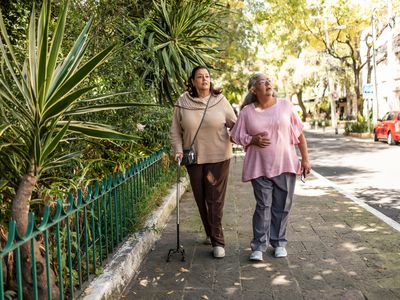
20 211
357 90
299 95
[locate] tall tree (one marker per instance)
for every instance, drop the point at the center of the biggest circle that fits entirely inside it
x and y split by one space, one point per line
333 27
298 74
236 60
339 30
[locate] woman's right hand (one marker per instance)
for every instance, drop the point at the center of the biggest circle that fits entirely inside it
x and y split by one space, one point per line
178 157
260 140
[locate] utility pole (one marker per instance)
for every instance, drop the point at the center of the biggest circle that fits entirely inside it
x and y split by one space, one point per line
375 106
391 58
330 79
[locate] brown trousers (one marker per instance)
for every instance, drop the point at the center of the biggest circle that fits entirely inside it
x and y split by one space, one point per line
209 182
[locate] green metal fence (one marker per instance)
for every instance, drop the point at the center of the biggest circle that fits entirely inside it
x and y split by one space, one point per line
76 238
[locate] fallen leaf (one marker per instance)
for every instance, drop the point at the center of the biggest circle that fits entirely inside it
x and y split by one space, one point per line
170 292
144 282
183 270
381 270
204 297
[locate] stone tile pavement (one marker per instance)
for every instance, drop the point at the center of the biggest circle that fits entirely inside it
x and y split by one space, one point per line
336 250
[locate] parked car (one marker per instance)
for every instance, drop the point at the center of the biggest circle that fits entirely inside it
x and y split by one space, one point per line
388 128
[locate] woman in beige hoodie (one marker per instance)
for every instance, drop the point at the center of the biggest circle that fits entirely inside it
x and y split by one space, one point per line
209 176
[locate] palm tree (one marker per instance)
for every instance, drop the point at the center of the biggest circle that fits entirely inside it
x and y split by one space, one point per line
39 99
179 35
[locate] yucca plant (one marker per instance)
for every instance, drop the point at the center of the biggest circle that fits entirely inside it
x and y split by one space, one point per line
179 35
39 99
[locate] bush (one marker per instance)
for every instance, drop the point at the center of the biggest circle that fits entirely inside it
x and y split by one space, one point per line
358 126
320 122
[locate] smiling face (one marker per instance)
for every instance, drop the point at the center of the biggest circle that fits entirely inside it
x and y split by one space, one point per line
202 81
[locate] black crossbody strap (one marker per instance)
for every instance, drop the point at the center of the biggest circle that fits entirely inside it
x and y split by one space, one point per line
201 122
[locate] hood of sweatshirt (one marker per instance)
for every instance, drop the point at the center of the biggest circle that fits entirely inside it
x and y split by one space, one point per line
188 102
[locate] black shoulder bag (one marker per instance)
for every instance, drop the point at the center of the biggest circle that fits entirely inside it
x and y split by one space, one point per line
189 155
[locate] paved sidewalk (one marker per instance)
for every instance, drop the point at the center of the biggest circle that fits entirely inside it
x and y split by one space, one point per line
336 250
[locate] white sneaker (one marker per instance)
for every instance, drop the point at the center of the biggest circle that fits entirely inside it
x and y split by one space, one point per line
256 256
280 252
218 252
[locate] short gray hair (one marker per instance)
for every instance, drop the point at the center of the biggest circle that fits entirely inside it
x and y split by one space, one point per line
250 97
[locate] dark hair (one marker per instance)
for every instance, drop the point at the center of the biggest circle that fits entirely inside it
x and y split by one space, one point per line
192 90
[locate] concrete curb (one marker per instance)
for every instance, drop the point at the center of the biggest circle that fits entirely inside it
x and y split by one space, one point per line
125 262
364 135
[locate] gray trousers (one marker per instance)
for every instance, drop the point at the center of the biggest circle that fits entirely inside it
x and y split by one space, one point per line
274 201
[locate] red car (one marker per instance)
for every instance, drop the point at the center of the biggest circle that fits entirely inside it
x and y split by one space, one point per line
388 128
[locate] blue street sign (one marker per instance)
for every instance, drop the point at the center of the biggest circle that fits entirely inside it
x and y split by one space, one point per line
368 88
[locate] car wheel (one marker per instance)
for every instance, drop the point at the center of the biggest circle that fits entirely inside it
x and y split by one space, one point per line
390 140
375 137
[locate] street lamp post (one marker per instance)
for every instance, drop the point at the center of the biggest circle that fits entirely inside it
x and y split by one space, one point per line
375 106
330 79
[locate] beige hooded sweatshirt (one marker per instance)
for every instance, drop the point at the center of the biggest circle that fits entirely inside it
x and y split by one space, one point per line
212 143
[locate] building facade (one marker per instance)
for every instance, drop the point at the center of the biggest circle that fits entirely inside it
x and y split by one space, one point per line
387 72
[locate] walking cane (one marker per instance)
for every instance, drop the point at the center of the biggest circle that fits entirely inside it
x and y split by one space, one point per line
179 248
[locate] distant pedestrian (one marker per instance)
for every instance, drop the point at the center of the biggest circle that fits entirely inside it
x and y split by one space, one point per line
201 118
269 129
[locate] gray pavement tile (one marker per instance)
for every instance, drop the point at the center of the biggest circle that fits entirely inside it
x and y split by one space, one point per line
203 294
380 294
285 292
314 247
227 264
383 261
160 281
202 254
309 279
255 295
338 280
257 277
200 277
228 280
296 247
333 294
365 284
329 230
392 281
396 292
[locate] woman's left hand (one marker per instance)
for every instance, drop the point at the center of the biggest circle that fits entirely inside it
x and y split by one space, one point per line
178 157
305 167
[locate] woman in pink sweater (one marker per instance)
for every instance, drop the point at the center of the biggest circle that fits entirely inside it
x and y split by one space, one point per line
269 130
209 176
